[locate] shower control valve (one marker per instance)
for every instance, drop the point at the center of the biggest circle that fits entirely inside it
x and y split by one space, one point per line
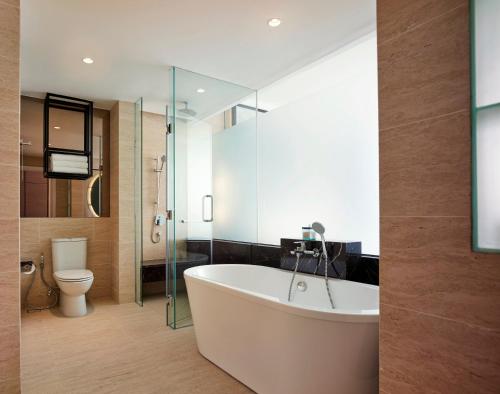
301 249
160 220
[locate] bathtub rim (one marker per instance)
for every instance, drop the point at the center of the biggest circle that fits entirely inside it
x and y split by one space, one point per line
337 315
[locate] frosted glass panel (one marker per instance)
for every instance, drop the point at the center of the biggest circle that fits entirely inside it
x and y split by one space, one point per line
234 180
487 40
488 178
318 153
485 37
199 178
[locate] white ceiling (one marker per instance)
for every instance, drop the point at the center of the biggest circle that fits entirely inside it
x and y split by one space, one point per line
133 42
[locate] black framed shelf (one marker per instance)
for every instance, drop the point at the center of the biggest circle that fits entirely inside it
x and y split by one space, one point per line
67 103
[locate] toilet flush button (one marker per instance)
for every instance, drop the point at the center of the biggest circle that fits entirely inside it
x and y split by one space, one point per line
302 286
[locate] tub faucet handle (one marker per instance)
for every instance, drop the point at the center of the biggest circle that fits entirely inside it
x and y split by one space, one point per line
300 248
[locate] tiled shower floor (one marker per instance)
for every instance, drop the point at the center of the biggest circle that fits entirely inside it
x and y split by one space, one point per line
115 349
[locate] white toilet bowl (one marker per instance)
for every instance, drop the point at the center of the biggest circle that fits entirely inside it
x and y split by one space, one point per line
73 285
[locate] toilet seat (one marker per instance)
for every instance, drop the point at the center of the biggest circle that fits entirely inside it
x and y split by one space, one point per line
74 275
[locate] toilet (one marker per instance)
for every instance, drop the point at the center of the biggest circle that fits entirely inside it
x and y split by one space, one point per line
69 263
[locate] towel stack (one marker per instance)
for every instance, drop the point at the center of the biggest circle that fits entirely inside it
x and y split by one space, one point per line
69 164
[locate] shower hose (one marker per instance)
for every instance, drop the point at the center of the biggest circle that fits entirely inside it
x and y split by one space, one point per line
293 277
51 290
332 262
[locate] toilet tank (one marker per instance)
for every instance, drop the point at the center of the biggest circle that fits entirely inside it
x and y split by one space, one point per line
69 254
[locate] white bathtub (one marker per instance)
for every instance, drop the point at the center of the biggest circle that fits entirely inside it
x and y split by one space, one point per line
245 325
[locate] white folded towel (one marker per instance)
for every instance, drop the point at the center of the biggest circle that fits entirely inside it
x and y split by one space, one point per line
68 157
69 170
69 163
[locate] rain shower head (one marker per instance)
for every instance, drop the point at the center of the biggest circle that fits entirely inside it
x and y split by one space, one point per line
187 110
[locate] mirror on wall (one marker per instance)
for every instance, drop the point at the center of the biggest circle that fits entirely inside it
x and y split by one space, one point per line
72 122
485 125
44 197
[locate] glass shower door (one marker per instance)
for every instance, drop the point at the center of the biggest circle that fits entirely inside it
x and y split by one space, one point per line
189 198
211 176
171 290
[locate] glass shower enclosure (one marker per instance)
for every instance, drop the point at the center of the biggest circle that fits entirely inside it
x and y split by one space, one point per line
210 179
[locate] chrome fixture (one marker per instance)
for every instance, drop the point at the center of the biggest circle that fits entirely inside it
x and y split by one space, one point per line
207 211
51 291
301 248
299 251
159 219
320 229
160 159
302 286
186 110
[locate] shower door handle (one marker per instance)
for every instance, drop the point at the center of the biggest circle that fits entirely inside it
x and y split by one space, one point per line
204 200
168 125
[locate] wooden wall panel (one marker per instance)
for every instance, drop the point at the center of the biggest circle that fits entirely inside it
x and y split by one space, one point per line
9 197
440 326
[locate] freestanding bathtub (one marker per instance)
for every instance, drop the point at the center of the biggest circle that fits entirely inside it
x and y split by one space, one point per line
244 324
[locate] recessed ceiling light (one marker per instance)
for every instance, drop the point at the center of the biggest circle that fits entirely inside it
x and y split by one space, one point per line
57 127
200 90
274 22
88 60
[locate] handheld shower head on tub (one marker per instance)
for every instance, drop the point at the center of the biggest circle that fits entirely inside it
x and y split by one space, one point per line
320 229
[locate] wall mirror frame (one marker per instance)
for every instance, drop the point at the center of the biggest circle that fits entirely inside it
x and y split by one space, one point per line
485 124
66 103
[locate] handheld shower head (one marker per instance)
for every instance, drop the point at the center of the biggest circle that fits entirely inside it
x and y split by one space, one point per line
160 161
318 228
163 158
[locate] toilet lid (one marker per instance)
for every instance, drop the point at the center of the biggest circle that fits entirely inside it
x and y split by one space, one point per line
73 275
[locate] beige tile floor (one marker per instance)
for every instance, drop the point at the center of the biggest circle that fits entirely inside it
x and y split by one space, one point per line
115 349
